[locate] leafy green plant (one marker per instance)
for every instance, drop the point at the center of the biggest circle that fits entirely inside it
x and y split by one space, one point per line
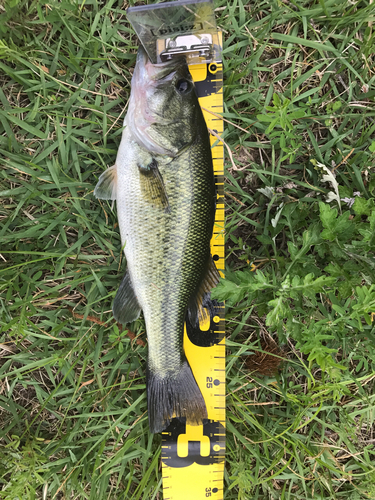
118 339
316 308
282 115
298 94
21 469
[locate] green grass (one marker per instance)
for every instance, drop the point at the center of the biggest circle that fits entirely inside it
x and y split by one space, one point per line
299 78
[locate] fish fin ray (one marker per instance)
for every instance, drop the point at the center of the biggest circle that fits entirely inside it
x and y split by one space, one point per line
107 184
198 310
205 332
175 395
201 322
152 185
126 307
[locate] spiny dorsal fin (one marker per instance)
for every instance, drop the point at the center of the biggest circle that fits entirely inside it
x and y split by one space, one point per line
152 185
107 185
125 306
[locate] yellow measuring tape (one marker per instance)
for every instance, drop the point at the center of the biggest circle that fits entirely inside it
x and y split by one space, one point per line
193 456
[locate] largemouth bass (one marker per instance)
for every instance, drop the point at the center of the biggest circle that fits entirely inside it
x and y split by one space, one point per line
163 184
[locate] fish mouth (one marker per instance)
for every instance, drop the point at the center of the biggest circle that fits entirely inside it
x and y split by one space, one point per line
148 77
145 70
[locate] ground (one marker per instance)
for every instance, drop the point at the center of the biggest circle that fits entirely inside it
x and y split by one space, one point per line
299 126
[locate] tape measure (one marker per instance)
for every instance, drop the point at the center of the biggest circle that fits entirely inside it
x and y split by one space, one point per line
193 456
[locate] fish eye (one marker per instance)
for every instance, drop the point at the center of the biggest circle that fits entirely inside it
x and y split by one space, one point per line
183 86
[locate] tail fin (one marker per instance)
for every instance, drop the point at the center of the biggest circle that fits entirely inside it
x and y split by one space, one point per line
175 395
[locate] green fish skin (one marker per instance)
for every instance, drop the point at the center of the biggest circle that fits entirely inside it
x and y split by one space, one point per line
163 183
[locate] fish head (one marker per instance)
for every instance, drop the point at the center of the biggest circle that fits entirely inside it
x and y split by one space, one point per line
163 106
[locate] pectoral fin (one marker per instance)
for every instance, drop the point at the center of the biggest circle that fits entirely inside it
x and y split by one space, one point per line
152 185
107 185
125 306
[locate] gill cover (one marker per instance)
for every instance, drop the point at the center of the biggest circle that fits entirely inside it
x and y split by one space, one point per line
163 106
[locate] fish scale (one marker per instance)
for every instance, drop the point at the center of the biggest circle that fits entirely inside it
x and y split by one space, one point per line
164 185
193 456
173 243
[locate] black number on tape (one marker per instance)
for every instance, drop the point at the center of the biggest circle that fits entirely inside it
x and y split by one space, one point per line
215 333
211 84
212 429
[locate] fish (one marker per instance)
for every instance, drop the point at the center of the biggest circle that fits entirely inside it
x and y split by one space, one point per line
163 184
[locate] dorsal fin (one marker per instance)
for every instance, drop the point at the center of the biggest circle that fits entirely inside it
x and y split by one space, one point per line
197 312
202 309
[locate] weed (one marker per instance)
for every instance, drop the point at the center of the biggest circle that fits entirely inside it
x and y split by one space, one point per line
299 104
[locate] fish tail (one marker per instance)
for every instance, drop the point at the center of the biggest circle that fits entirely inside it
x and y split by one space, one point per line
174 395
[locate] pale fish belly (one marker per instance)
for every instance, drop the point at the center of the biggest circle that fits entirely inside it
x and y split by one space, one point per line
154 247
166 230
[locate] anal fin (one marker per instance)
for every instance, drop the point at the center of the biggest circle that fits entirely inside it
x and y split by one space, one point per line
126 307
